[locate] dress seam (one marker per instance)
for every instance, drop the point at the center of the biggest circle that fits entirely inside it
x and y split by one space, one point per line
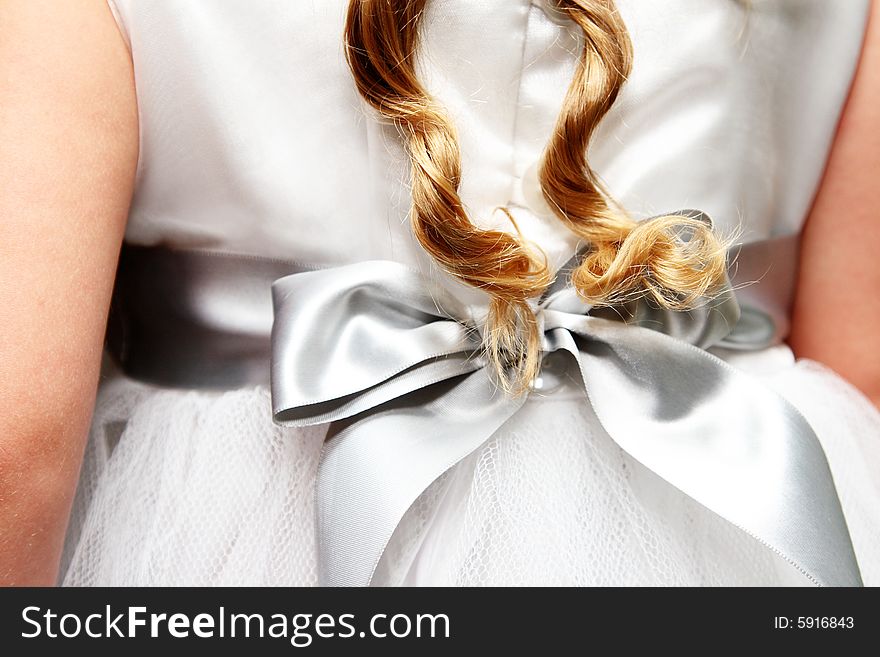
514 141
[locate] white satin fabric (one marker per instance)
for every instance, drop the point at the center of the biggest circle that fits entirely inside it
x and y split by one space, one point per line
253 140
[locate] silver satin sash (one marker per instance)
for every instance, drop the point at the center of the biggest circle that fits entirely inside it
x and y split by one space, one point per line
392 362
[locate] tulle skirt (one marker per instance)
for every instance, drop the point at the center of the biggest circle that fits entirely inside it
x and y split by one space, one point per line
184 487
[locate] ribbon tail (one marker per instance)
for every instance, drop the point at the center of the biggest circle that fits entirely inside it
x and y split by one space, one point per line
375 465
734 446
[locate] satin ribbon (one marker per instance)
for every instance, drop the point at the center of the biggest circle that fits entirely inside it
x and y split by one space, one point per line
393 362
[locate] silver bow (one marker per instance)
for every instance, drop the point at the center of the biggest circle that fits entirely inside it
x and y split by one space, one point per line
394 363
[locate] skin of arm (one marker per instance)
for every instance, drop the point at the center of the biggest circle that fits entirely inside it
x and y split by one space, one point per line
836 315
68 156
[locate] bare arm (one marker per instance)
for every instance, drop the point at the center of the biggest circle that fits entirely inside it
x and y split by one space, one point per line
68 152
837 304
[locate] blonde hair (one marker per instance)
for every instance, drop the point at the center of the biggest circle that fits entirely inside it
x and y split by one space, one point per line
674 260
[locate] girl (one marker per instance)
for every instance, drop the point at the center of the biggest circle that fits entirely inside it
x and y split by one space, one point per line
505 350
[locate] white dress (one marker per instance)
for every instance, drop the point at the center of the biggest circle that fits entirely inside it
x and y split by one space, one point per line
254 141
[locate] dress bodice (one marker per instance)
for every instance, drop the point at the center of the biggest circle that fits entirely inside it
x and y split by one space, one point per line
254 139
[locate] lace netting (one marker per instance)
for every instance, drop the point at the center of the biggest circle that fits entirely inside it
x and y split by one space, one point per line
195 487
200 489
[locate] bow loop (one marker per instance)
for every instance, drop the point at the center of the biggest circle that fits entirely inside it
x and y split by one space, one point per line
352 337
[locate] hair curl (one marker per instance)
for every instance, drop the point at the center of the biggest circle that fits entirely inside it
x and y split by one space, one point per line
673 260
